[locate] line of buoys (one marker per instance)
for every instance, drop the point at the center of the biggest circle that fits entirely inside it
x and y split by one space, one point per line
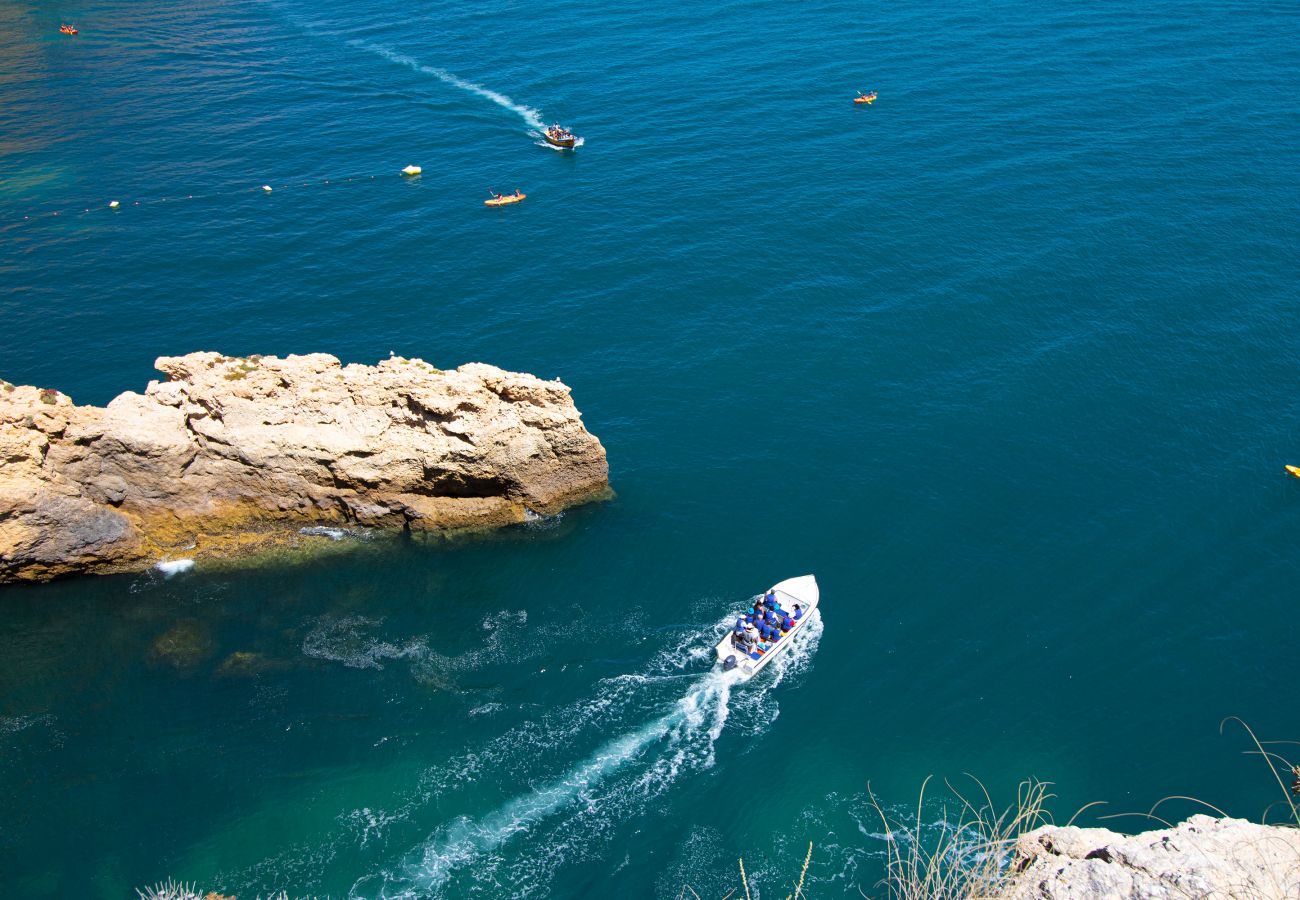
263 189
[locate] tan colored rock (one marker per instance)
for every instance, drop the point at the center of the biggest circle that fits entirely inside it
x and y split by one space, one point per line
1203 857
230 446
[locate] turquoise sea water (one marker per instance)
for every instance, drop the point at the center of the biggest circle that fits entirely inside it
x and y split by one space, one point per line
1008 360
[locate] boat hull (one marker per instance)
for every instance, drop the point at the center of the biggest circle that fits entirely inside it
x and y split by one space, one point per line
563 144
802 590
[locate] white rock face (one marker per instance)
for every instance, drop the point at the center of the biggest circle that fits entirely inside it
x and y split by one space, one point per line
228 444
1203 857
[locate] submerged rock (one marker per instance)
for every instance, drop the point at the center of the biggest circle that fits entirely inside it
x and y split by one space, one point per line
183 647
229 455
243 664
1202 857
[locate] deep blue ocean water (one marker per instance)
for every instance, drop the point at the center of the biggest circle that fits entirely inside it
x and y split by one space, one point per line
1007 359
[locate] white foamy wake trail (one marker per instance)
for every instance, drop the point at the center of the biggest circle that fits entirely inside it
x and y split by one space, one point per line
532 116
568 817
689 730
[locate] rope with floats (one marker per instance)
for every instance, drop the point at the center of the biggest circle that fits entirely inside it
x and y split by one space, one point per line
117 205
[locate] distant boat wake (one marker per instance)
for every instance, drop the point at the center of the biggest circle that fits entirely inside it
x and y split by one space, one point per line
532 116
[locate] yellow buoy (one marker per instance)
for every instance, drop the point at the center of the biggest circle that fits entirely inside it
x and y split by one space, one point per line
113 204
412 170
267 188
1294 470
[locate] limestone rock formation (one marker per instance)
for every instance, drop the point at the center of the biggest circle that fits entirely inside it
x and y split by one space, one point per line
1203 857
229 453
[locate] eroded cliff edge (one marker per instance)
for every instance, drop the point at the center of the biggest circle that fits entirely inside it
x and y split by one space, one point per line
1203 857
228 453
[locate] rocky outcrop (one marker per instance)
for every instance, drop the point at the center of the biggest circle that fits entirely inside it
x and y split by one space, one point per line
1203 857
228 454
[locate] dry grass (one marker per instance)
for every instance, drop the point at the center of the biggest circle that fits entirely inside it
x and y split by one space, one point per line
180 890
744 882
1277 764
970 854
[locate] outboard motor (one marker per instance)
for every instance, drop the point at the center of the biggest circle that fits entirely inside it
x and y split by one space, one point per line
729 663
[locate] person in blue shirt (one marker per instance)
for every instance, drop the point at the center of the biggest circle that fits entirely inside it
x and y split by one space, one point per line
787 623
798 612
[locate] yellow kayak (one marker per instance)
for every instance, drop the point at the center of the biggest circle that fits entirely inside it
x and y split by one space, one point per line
504 200
1294 470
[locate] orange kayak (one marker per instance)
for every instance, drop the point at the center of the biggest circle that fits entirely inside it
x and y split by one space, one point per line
866 98
506 200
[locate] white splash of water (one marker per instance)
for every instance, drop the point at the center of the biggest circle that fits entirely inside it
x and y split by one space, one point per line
170 567
532 116
334 534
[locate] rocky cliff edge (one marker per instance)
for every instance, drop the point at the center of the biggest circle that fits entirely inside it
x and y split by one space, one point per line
229 453
1203 857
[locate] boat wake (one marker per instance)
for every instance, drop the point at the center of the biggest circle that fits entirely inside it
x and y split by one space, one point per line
566 780
569 816
697 717
530 115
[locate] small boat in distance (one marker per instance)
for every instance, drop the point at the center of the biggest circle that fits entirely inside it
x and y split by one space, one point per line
68 29
867 98
742 650
504 199
1294 470
559 137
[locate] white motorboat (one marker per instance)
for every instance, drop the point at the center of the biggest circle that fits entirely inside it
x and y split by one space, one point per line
801 592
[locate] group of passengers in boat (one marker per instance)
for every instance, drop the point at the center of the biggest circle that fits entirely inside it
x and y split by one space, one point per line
763 625
558 133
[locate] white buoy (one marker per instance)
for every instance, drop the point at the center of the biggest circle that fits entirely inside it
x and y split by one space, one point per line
113 204
267 188
412 170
